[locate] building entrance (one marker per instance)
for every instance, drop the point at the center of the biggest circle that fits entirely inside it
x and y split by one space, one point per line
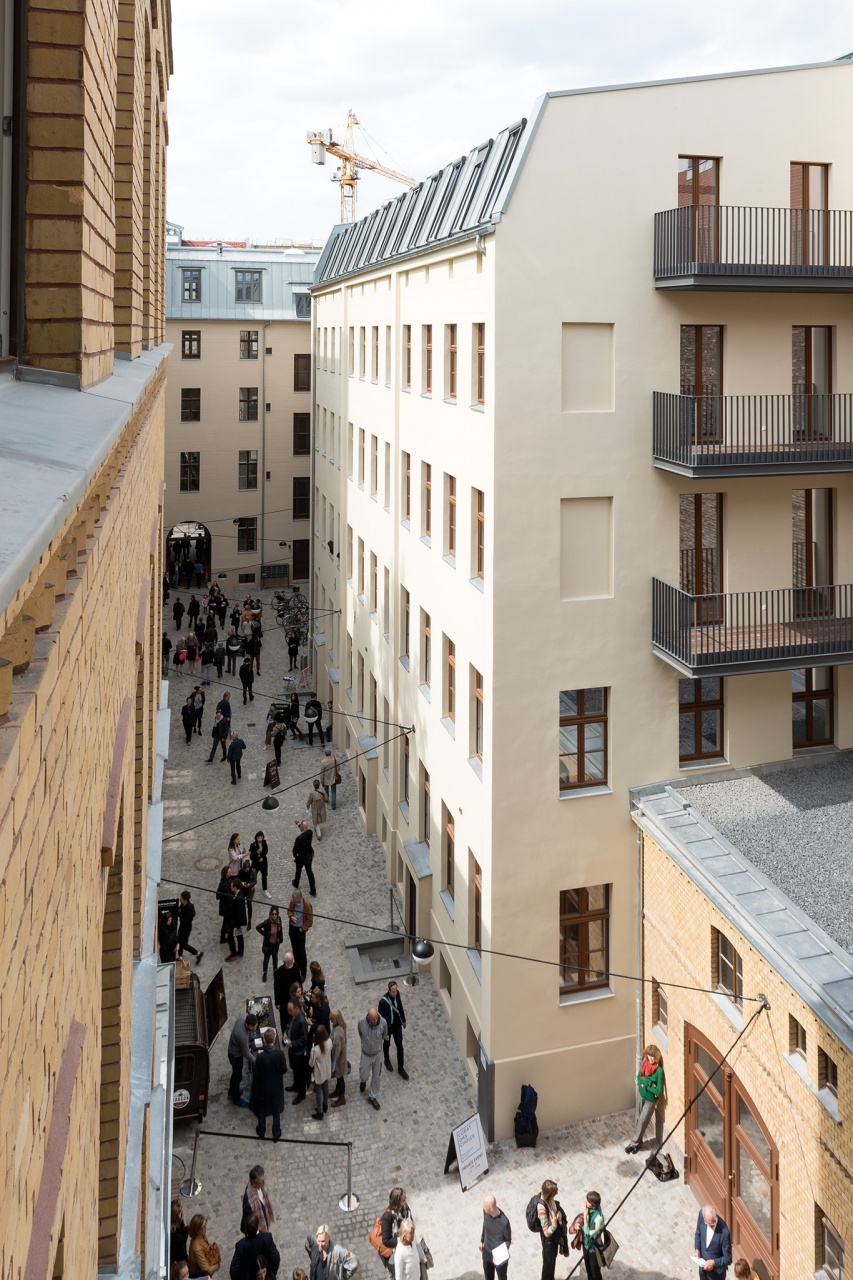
188 544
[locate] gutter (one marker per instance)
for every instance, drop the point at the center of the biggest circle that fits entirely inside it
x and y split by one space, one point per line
476 233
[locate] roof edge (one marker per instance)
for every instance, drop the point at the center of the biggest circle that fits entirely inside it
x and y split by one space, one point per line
711 75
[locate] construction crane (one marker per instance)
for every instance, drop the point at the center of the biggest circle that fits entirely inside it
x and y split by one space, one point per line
347 175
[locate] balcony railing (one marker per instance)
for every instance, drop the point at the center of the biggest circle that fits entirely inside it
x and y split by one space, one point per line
733 246
732 633
742 435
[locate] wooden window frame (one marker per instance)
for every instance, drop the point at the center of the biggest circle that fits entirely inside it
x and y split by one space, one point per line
407 487
450 681
247 469
477 906
660 1006
583 720
727 971
191 344
374 583
190 468
374 358
479 715
405 769
426 673
248 344
190 404
301 372
301 435
407 625
827 1072
407 357
247 405
698 707
449 853
452 361
797 1038
480 502
582 918
828 1231
362 351
480 342
428 359
451 516
374 466
247 535
427 530
351 359
301 500
426 809
362 449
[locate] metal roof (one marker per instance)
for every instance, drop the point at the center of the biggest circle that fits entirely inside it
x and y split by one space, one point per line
283 271
464 197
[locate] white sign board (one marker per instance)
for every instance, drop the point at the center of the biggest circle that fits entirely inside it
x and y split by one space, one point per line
468 1148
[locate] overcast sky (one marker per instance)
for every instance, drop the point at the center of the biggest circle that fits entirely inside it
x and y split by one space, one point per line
428 79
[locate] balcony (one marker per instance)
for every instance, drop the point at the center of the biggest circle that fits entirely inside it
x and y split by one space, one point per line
732 247
739 632
752 435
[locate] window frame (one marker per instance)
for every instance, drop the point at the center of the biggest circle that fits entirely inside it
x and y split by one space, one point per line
248 285
449 852
249 344
477 906
480 352
827 1072
452 361
582 919
190 404
427 376
191 284
696 710
247 535
301 501
660 1007
727 967
479 717
189 469
247 467
248 404
191 344
480 546
407 357
407 487
302 372
426 808
301 430
450 680
450 549
426 651
582 721
828 1229
426 531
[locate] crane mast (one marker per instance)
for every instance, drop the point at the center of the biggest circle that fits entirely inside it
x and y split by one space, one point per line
322 141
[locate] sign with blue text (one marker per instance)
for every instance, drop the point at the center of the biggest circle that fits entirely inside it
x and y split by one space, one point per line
467 1150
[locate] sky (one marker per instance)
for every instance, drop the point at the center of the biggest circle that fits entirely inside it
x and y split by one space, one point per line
428 79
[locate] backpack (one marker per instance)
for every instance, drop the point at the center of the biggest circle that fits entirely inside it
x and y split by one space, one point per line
375 1238
526 1125
531 1213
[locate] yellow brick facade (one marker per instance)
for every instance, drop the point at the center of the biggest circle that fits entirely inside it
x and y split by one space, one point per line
815 1150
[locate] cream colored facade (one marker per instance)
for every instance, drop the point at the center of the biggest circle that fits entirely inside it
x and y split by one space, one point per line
274 446
578 521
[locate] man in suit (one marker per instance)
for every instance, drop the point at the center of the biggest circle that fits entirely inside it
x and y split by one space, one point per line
391 1009
268 1087
300 1044
256 1243
712 1243
303 856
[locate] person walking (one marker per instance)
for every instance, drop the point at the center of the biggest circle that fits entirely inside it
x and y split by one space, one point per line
552 1224
407 1259
241 1050
292 649
224 707
268 1085
167 937
180 657
272 932
314 719
198 703
329 776
257 1200
496 1235
649 1101
254 645
247 679
320 1061
593 1225
270 725
712 1242
299 1038
259 853
372 1031
295 710
188 718
391 1009
300 916
303 856
317 808
340 1066
207 661
193 610
236 919
279 737
223 896
233 646
186 915
178 612
219 736
219 658
236 747
192 651
221 610
166 649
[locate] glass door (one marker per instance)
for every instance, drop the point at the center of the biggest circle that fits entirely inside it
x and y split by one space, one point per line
811 551
702 377
699 194
700 550
811 381
809 214
812 707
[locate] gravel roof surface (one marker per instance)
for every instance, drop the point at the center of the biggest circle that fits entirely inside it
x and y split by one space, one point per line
796 825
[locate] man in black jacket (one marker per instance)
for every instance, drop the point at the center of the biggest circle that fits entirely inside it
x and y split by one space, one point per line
314 719
303 856
236 747
299 1037
391 1009
247 679
236 919
283 979
219 734
268 1087
255 1244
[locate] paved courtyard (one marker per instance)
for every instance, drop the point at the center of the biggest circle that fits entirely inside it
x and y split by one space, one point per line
406 1142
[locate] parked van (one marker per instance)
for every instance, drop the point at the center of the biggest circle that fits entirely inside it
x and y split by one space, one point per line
198 1021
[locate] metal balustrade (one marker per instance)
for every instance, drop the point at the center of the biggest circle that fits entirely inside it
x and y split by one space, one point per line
731 633
706 246
752 435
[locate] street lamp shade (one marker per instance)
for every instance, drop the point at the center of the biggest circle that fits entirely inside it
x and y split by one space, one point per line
269 803
422 951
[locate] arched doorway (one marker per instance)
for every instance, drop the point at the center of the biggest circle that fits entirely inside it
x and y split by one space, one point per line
732 1160
189 543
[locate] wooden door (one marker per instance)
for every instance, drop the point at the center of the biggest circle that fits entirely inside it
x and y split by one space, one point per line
809 214
301 558
812 552
811 381
699 194
700 537
701 352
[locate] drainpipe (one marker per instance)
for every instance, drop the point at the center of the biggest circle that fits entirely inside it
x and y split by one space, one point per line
641 986
263 447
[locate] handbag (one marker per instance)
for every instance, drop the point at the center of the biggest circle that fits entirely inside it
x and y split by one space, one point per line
214 1257
606 1247
337 777
425 1255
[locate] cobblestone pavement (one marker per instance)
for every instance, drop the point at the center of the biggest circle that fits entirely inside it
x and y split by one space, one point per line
406 1142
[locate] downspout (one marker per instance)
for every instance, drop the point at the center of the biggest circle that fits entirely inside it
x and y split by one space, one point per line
264 447
641 986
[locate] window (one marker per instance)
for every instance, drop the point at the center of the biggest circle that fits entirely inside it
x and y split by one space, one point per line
190 472
407 357
583 738
351 366
796 1037
350 561
248 404
407 487
478 716
452 354
301 434
480 363
361 568
584 938
404 769
827 1073
302 373
425 808
700 719
830 1247
477 905
361 456
248 344
427 359
480 541
190 404
301 497
660 1008
386 476
303 312
450 515
248 469
350 449
450 680
426 649
387 355
191 344
332 352
426 530
449 850
359 687
374 583
247 534
191 277
374 466
812 707
374 353
348 668
247 286
726 968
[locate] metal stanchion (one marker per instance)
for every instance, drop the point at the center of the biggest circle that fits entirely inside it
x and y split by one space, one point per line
189 1187
349 1202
